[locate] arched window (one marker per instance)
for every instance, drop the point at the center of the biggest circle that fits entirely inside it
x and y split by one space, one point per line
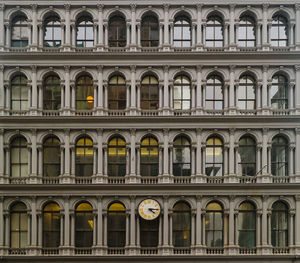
279 31
84 93
19 93
246 94
117 157
182 93
18 226
51 157
51 226
149 93
117 93
181 156
214 31
214 93
214 225
279 92
52 32
52 93
84 157
85 32
247 156
214 157
149 157
279 156
117 31
84 225
19 157
149 31
181 224
182 31
247 31
116 225
247 225
19 32
279 225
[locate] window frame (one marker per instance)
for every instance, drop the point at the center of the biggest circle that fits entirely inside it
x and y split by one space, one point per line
120 88
280 163
82 235
249 84
182 86
178 166
247 230
217 83
276 25
121 165
118 42
22 144
19 42
281 87
213 42
51 25
147 86
22 87
87 90
213 164
150 25
181 26
149 165
85 164
84 22
58 153
275 241
243 149
50 87
249 22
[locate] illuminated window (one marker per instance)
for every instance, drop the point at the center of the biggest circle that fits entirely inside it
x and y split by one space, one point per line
84 157
18 226
181 156
84 93
149 93
52 32
52 93
117 157
214 157
247 31
247 156
85 32
214 31
84 225
214 225
279 225
149 157
51 157
149 31
247 225
117 93
19 93
182 93
279 92
19 32
117 31
246 94
19 157
279 31
182 31
214 93
181 224
116 225
279 156
51 226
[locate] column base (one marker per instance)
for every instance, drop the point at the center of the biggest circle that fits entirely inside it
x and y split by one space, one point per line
131 250
66 250
99 250
266 47
265 111
100 47
231 179
67 48
33 179
99 111
66 112
264 179
297 178
166 47
232 250
232 47
165 250
99 179
199 47
131 179
164 178
199 179
199 250
166 111
265 250
32 251
65 179
231 111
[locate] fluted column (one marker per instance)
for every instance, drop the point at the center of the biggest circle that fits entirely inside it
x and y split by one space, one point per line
297 87
166 44
68 28
133 27
34 27
2 28
232 44
199 44
166 89
133 89
297 28
265 44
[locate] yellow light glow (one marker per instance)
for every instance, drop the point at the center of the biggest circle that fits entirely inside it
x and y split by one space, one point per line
91 223
90 99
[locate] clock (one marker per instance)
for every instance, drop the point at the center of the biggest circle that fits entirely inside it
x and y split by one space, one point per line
149 209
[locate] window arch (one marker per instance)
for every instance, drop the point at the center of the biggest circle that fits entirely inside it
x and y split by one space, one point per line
52 31
19 32
117 31
214 31
117 157
149 93
247 225
85 31
214 93
117 93
149 31
84 157
149 156
247 31
116 225
279 92
181 224
84 93
214 157
279 224
51 157
246 94
84 225
18 226
51 225
52 93
214 225
19 93
181 156
279 156
279 31
182 31
19 157
182 93
247 156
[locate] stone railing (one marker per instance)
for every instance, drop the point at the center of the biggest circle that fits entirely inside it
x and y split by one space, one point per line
181 250
116 112
214 179
247 251
280 179
182 179
17 251
280 250
214 250
244 179
83 251
83 180
149 179
115 251
50 180
116 180
50 251
148 251
18 180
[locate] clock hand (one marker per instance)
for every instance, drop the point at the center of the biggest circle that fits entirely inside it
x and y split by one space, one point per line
153 210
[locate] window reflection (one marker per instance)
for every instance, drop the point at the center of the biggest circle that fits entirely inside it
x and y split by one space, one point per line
19 93
182 93
84 93
214 157
117 157
84 157
52 31
279 156
19 32
19 157
52 93
149 232
247 156
181 224
84 225
117 93
51 226
85 32
51 157
214 225
279 31
18 226
181 156
182 31
279 92
149 93
214 93
247 31
214 31
116 225
279 225
247 225
149 157
246 93
117 31
149 31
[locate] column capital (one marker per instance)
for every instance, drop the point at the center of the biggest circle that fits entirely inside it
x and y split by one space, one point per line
67 7
199 6
1 68
166 6
265 7
199 68
132 132
297 130
232 7
34 7
33 68
132 68
2 6
297 7
100 7
297 67
99 68
133 7
67 68
265 131
265 68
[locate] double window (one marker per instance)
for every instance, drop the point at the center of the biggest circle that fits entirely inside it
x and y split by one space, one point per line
19 93
214 157
246 31
247 156
247 225
51 157
117 157
214 93
182 93
181 156
52 32
279 156
84 93
149 31
117 93
19 32
246 94
214 31
52 93
182 31
149 157
117 31
84 154
279 31
279 92
85 32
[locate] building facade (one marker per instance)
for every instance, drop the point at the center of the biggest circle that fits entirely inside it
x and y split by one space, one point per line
106 108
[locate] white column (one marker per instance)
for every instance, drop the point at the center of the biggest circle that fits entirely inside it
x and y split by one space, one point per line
29 34
67 152
171 152
265 88
199 88
139 34
106 34
231 89
160 34
7 228
166 25
34 88
291 36
34 153
231 222
67 22
265 43
2 229
40 97
2 89
193 97
127 34
133 25
100 87
231 151
198 221
237 25
297 28
297 87
264 156
199 163
34 25
166 222
67 88
291 228
63 40
132 151
166 152
99 222
297 225
2 159
74 35
133 87
8 34
258 96
100 152
100 25
166 88
193 42
258 35
2 28
264 228
95 29
297 155
258 228
132 222
231 26
67 222
199 26
226 148
291 160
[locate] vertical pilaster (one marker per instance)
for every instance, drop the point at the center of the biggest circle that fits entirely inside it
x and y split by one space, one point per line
232 109
297 28
133 90
2 90
265 108
165 246
297 225
198 156
231 226
166 153
199 90
33 175
198 245
2 229
100 28
67 91
133 27
264 157
297 158
1 158
166 45
297 86
265 44
264 226
34 90
100 90
68 28
199 44
231 154
232 44
99 227
34 28
132 154
166 90
67 155
2 28
132 246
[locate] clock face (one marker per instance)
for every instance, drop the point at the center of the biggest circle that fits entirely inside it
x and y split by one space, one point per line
149 209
